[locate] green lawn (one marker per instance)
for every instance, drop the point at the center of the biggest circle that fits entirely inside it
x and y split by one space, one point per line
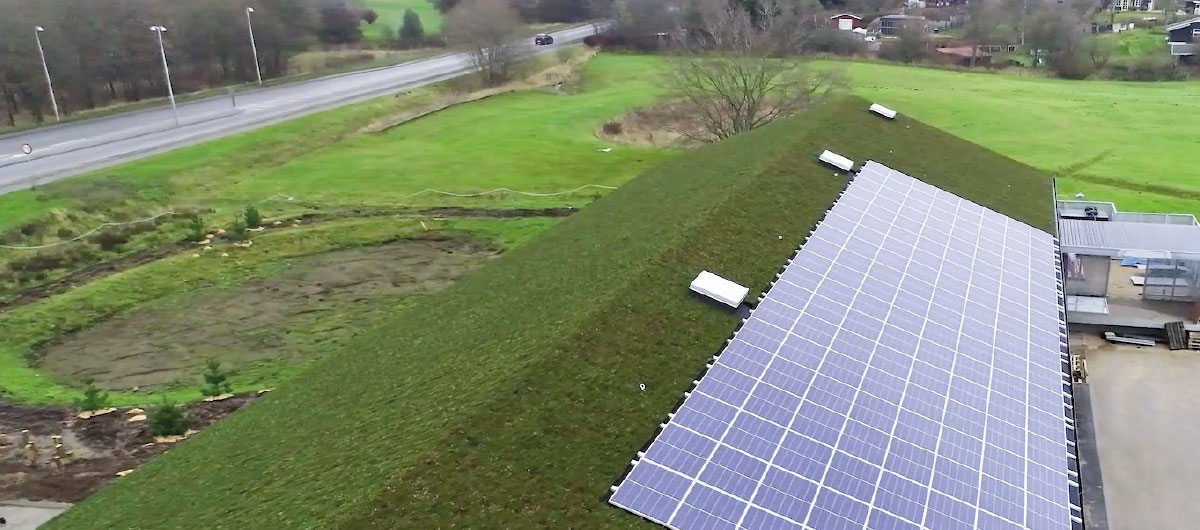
512 401
1131 143
535 141
391 13
1137 42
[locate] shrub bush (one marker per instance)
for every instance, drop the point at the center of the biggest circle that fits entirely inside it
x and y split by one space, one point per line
835 42
196 230
65 233
1071 65
110 239
253 219
216 381
238 230
93 398
613 128
1146 68
168 419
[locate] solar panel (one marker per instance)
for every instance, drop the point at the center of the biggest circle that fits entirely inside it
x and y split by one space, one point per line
904 371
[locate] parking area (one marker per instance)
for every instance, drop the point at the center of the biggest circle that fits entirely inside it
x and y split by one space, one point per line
1146 406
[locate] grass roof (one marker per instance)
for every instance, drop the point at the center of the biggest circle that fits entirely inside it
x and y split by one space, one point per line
512 399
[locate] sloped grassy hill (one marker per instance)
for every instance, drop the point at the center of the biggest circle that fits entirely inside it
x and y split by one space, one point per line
512 400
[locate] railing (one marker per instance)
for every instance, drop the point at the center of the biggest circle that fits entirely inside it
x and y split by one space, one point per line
1182 48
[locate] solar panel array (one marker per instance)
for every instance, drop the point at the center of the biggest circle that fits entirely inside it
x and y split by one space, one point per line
906 370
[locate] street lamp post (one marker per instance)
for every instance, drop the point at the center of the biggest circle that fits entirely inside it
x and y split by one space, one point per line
37 35
162 50
253 47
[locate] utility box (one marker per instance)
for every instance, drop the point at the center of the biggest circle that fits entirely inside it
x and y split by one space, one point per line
719 289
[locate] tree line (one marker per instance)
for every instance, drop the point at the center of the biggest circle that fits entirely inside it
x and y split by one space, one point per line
99 53
103 52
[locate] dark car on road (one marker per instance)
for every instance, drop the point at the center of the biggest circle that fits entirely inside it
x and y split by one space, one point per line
542 39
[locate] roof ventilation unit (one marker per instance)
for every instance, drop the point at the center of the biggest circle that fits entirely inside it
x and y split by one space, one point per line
883 111
719 289
836 160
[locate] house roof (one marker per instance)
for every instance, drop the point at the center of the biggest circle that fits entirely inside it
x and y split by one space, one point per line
1128 239
902 17
856 17
1184 24
962 51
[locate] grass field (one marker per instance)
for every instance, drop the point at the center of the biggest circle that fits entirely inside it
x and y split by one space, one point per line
513 402
391 14
1131 143
535 141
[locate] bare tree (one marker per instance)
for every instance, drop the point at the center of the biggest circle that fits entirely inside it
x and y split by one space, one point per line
1100 51
983 21
738 73
489 29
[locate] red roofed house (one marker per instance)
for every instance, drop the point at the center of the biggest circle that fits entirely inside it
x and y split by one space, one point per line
846 21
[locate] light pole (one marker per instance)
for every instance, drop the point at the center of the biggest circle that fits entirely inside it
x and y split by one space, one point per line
166 71
37 35
253 47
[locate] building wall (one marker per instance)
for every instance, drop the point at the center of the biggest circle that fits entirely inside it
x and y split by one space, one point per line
1183 34
1089 278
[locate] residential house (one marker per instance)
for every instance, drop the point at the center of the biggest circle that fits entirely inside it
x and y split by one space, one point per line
962 56
1183 39
848 22
892 25
1133 5
1192 7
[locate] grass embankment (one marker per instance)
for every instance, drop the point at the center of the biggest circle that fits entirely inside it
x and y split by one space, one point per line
513 401
1131 143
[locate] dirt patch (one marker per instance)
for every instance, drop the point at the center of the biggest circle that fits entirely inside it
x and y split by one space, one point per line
660 126
308 307
499 214
100 447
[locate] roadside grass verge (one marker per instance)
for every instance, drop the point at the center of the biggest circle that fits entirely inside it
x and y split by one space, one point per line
168 285
1130 134
513 402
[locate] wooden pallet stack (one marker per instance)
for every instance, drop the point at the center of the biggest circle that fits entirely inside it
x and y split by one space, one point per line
1178 337
1194 340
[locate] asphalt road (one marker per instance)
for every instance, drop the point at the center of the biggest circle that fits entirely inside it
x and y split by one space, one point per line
63 150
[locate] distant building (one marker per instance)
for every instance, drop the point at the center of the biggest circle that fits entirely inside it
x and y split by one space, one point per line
848 22
1192 6
961 56
1133 5
1183 39
893 24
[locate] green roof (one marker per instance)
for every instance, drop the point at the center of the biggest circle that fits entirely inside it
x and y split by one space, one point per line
512 400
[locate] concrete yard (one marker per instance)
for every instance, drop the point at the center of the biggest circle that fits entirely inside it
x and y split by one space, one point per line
26 515
1147 420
